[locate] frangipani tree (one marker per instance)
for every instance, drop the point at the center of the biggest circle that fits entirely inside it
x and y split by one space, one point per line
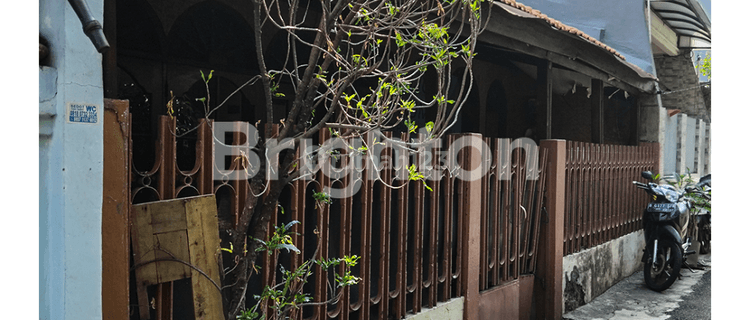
366 61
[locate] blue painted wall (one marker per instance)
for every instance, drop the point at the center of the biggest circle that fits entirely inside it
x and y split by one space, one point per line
621 25
70 168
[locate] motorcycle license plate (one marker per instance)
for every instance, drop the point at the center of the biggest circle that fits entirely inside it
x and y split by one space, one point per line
661 207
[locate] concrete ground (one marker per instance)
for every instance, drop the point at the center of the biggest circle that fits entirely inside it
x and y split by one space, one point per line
631 299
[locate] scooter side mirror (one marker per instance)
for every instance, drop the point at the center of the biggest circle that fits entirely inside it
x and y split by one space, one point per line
647 175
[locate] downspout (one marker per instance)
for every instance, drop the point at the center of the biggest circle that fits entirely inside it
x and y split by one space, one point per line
91 27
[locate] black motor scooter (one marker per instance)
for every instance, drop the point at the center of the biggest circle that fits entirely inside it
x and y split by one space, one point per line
665 222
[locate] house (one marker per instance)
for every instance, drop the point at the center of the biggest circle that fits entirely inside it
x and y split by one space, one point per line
662 38
666 42
535 76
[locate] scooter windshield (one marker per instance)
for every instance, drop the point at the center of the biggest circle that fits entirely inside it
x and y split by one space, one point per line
668 192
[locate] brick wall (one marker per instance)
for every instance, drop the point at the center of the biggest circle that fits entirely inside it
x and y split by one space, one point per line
678 73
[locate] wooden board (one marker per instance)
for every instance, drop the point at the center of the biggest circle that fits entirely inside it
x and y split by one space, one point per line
205 250
186 229
172 245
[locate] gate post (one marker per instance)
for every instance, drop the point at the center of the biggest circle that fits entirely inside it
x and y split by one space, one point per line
116 210
472 225
548 287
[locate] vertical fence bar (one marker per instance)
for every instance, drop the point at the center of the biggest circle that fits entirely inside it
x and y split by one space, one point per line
401 178
416 286
597 196
505 177
345 235
167 177
579 194
321 277
445 277
541 188
587 198
460 212
485 245
364 302
496 211
384 215
568 222
435 184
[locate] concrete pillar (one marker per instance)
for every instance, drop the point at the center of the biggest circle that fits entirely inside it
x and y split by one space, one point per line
472 226
652 123
682 143
700 137
548 287
707 151
70 167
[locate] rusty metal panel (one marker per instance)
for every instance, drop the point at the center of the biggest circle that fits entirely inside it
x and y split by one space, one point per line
501 302
115 211
511 230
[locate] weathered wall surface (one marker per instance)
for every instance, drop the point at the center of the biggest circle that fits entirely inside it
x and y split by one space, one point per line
70 166
453 309
589 273
682 87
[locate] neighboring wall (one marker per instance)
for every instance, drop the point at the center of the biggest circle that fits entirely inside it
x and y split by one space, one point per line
687 145
70 167
679 80
687 135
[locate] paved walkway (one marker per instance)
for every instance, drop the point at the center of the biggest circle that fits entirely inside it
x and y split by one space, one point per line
631 299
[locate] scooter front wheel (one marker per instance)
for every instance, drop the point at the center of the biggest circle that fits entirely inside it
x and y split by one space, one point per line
660 274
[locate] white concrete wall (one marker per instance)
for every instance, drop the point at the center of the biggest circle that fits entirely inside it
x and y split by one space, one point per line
449 310
596 269
70 168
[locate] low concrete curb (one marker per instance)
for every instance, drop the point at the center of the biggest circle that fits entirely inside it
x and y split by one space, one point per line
631 299
589 273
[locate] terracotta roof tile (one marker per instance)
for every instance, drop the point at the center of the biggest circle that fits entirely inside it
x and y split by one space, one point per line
561 26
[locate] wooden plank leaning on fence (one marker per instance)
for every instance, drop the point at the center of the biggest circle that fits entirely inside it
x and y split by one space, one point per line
178 239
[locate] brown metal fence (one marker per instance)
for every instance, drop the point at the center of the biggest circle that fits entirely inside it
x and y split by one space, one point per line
601 202
411 240
407 236
512 199
165 177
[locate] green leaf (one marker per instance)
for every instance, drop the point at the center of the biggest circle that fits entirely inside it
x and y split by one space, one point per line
288 247
426 186
429 126
290 224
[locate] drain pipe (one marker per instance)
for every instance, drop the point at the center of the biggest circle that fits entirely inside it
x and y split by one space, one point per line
91 27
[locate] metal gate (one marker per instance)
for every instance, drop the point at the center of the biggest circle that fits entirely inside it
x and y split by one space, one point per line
412 240
513 194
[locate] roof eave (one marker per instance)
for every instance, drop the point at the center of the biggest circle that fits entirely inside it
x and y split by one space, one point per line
531 32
